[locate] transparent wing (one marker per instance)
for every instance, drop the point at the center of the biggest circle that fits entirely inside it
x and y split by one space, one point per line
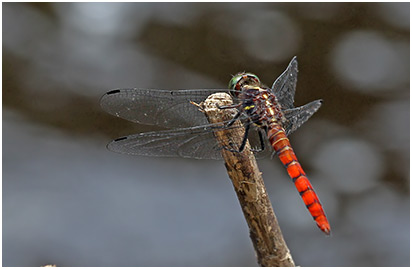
198 143
171 109
194 142
295 117
284 86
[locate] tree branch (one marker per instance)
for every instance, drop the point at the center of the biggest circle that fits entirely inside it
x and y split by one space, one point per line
267 238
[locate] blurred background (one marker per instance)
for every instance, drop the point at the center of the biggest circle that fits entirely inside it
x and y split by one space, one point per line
67 200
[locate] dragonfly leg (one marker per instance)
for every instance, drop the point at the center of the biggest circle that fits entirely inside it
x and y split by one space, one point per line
243 144
247 128
262 143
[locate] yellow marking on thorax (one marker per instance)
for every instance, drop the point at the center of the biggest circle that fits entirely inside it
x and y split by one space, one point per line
249 107
268 104
271 111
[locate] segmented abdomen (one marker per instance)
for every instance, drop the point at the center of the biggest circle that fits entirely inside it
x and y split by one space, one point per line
281 145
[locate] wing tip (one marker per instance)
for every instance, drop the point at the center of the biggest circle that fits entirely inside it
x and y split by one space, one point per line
112 145
120 139
320 102
104 96
113 92
294 60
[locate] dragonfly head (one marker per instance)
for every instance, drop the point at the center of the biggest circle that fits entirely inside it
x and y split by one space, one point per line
241 79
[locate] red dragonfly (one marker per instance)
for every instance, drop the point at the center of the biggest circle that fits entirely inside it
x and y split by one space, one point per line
268 111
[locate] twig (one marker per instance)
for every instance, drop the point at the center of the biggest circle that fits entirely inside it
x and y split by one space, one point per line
267 238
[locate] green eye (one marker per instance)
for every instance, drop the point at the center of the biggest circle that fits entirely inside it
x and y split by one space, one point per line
234 81
247 77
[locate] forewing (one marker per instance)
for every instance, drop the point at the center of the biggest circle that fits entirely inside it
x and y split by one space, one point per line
295 117
284 86
171 109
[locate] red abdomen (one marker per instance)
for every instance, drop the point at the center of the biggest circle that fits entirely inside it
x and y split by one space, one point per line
281 145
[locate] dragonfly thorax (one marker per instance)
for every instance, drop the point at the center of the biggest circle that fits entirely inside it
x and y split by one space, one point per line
262 106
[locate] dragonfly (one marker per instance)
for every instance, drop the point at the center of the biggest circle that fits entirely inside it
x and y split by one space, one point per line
268 116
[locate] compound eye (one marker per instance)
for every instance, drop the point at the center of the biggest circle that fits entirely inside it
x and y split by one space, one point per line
234 81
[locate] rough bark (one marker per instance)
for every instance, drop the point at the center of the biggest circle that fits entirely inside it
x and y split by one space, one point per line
267 238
